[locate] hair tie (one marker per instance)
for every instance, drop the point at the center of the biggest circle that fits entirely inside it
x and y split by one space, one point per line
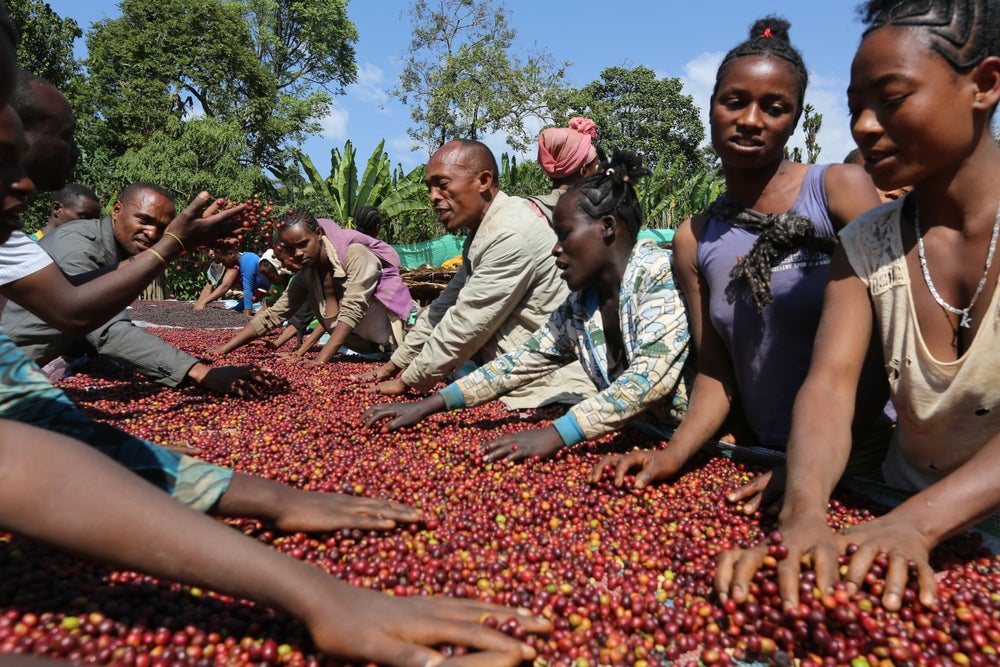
766 34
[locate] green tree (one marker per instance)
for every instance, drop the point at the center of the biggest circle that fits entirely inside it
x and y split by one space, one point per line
811 124
267 65
522 179
46 46
462 78
673 192
307 48
635 110
187 157
46 50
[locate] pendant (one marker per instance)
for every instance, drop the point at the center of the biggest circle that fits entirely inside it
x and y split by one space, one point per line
966 320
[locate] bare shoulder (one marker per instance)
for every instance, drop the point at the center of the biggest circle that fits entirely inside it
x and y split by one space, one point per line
849 192
847 175
687 234
685 245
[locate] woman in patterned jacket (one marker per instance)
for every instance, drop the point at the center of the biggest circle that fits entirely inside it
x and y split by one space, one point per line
624 320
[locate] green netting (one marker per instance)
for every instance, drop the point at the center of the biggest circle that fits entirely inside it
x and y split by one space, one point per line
438 251
433 253
661 236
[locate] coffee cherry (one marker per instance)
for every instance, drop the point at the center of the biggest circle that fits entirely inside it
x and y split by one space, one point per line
625 575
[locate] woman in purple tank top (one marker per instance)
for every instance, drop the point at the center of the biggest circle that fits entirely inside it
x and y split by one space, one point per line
753 266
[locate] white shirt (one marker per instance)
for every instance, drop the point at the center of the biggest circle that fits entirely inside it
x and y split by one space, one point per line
20 257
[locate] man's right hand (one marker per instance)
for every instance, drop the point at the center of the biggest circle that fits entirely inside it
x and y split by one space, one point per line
204 221
241 381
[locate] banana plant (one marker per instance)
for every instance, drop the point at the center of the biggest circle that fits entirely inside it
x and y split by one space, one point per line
671 194
397 195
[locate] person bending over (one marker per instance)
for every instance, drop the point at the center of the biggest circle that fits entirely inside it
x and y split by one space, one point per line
506 288
624 321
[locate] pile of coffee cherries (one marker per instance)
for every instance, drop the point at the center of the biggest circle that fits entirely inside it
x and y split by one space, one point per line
256 221
625 575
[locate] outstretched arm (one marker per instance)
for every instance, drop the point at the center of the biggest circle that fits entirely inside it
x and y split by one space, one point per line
98 509
291 299
225 284
77 310
245 335
819 442
714 385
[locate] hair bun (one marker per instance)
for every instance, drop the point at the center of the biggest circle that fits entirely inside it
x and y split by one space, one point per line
626 166
773 27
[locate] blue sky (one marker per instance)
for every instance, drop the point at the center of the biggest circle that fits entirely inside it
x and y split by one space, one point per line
677 38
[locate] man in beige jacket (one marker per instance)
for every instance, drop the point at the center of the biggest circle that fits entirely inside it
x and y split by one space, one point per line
506 289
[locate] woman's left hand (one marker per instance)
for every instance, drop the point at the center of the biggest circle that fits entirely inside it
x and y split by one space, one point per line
538 443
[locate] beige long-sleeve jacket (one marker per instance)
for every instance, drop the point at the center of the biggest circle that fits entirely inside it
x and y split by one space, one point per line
506 289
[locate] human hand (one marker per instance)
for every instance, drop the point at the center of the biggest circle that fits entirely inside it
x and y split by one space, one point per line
204 221
265 343
765 490
241 381
386 371
402 414
540 442
311 511
653 466
806 540
400 631
390 388
897 546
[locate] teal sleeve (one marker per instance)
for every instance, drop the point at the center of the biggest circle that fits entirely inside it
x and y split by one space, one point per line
569 429
452 395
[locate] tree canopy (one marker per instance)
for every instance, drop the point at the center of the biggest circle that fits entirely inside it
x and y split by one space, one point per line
462 79
46 46
267 67
635 109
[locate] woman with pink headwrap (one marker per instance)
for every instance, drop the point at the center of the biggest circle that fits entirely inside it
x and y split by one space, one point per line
567 154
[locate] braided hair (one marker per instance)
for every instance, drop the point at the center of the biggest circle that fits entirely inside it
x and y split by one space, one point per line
367 220
612 191
769 39
963 32
299 217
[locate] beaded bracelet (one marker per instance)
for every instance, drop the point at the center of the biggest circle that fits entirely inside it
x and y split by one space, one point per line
178 239
158 256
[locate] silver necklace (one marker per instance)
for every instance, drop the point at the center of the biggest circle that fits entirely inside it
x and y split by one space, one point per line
966 320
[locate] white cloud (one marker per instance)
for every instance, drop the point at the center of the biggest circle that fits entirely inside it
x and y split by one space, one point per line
334 124
402 143
829 97
400 149
699 79
368 87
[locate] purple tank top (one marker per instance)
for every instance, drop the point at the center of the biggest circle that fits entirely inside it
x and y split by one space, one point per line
770 351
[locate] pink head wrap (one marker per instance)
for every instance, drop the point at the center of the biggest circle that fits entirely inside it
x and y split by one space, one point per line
563 150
